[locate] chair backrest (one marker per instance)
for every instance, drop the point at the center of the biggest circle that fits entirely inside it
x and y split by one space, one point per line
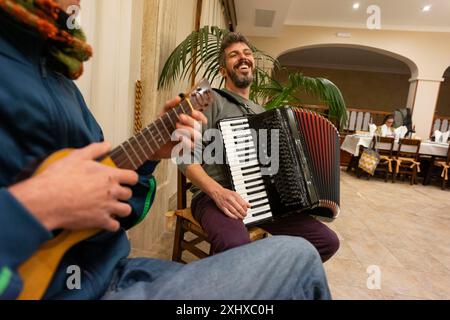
182 189
384 145
448 156
409 148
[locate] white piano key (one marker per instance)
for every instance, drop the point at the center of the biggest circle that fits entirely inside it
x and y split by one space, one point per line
237 141
228 129
258 218
244 151
260 212
255 196
240 140
248 186
233 136
239 176
241 172
248 149
242 158
259 202
237 128
233 121
237 164
250 190
241 179
254 212
245 175
228 134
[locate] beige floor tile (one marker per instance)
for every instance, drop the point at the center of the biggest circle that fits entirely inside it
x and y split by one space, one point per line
373 253
437 286
400 281
346 273
399 240
340 292
418 261
345 252
443 259
356 234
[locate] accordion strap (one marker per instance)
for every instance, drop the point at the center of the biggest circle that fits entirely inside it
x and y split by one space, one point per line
235 101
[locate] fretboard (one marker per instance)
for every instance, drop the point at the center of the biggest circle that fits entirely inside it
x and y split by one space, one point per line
134 152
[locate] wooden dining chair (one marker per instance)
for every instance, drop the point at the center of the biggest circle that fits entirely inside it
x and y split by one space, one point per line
407 159
387 161
440 165
354 161
186 224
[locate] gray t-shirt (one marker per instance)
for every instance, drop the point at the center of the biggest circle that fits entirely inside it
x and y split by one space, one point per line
220 109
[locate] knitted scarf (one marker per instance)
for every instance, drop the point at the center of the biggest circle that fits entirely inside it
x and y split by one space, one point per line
66 48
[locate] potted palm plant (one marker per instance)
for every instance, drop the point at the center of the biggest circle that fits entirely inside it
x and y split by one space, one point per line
197 56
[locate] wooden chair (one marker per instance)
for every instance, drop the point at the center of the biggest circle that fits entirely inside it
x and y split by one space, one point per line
386 157
407 159
185 223
386 164
354 161
442 166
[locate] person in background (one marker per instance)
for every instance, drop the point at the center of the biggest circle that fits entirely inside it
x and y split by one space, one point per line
387 129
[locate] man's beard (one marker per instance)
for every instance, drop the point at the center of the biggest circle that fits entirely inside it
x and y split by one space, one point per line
241 81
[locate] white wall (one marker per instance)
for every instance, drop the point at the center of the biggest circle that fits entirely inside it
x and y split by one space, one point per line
113 28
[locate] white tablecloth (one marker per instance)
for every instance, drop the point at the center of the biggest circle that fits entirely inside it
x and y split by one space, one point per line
352 142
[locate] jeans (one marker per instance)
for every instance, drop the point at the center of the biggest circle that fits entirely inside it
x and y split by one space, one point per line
225 233
278 267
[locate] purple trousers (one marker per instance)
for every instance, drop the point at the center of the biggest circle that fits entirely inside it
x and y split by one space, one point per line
225 233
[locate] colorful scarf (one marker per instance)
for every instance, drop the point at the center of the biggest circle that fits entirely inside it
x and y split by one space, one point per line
66 48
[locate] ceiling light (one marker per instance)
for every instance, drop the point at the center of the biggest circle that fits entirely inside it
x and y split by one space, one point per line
356 6
426 8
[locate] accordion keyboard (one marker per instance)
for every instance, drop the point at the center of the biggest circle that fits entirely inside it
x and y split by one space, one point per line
245 170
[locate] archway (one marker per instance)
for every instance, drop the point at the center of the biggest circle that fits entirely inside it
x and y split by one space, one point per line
370 79
442 113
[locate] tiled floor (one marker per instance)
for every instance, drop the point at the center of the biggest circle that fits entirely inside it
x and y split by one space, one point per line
401 230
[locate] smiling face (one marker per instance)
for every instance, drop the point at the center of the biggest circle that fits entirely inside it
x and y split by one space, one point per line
239 65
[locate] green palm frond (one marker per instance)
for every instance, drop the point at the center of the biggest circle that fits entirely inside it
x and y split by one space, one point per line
200 51
280 94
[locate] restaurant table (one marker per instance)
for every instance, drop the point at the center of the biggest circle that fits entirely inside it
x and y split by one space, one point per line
428 149
352 142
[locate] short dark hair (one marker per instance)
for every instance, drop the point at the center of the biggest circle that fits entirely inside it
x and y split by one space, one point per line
229 39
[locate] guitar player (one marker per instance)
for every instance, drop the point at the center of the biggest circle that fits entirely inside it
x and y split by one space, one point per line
42 111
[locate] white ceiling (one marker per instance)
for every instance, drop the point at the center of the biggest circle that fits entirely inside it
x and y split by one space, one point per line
395 14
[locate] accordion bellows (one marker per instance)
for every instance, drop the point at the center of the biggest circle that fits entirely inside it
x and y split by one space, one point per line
307 175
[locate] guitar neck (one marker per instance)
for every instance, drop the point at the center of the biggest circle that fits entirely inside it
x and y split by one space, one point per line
134 152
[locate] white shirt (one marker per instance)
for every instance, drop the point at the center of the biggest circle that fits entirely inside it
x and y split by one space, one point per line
386 131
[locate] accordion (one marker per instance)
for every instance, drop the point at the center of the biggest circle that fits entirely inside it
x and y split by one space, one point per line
303 172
